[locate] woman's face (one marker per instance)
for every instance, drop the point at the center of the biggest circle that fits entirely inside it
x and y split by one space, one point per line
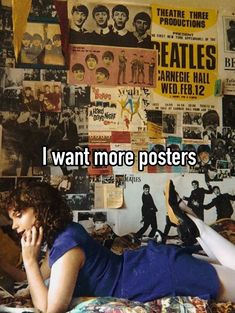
22 220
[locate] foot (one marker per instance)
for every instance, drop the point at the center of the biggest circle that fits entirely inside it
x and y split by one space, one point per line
171 202
187 229
174 202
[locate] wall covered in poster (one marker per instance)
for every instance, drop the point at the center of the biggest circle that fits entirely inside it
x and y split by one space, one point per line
121 78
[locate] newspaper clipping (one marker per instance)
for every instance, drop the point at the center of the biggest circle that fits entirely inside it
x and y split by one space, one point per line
108 196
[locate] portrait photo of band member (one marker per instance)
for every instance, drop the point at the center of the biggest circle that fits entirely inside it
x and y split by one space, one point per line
102 74
91 61
78 71
107 58
110 25
140 36
121 35
78 33
230 31
102 32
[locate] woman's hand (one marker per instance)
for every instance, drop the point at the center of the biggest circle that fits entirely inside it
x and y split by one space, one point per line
31 243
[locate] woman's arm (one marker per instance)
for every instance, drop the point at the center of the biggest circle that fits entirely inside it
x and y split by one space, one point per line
64 274
63 277
31 243
45 268
38 290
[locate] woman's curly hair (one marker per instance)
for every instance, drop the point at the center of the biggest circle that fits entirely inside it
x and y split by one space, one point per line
52 212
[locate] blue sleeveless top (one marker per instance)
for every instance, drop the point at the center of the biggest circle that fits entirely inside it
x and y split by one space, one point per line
144 274
102 268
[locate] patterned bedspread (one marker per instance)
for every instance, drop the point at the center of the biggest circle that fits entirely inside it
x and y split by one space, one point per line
114 305
164 305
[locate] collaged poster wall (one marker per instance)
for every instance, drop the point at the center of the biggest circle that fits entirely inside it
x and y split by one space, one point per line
141 78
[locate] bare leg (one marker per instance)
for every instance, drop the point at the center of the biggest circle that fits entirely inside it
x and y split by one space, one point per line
227 282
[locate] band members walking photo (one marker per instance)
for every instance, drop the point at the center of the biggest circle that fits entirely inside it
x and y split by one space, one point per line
149 211
196 198
222 202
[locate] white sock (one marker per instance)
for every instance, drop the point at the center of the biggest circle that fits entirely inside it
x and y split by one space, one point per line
222 249
207 250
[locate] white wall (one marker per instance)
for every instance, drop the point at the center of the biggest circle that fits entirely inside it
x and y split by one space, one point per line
128 220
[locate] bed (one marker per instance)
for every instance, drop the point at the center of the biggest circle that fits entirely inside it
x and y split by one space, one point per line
23 303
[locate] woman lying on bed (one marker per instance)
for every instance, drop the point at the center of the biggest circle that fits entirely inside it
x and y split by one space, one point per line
79 266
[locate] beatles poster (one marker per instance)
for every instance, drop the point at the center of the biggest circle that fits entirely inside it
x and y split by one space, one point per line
186 39
112 66
41 46
110 24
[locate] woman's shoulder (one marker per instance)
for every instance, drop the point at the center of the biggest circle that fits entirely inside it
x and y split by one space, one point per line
73 229
74 235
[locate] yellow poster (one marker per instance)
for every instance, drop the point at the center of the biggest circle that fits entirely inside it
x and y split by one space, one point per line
184 23
19 22
186 40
